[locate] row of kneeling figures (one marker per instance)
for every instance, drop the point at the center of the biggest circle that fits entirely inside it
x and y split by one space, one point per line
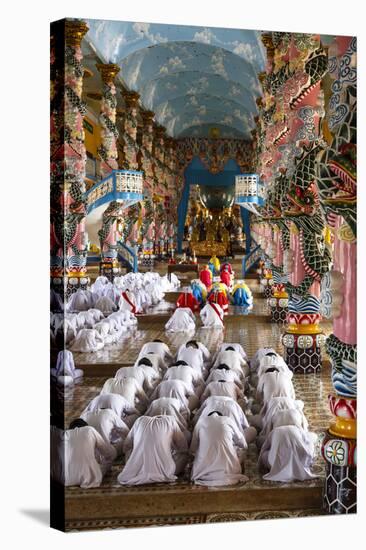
190 417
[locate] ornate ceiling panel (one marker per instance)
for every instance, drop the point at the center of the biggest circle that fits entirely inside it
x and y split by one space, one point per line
190 76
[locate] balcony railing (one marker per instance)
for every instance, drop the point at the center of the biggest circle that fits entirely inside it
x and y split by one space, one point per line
249 192
119 185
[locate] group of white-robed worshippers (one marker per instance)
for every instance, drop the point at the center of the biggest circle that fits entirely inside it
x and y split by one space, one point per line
100 315
183 318
188 416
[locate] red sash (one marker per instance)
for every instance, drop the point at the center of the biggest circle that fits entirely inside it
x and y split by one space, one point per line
212 304
133 307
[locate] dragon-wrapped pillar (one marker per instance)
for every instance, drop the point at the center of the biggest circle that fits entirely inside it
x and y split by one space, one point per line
337 184
68 158
109 265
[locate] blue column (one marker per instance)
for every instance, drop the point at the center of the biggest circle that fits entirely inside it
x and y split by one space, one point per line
182 213
245 216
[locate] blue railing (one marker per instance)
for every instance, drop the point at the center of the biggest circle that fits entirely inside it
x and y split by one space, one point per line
127 256
119 185
251 258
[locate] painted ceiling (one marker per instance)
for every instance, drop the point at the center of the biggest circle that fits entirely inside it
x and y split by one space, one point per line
193 78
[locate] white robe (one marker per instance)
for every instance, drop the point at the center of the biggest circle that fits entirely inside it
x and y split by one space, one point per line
288 453
225 405
84 454
65 370
222 374
172 407
87 340
212 318
205 353
105 305
160 348
146 376
268 362
185 373
79 301
276 404
117 403
275 384
157 362
177 389
228 389
109 425
127 302
128 388
216 461
156 449
233 360
261 352
182 320
193 357
237 347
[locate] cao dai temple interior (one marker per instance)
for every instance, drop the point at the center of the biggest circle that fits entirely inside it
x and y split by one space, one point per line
203 274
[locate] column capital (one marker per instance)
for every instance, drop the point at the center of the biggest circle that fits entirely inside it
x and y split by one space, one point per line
108 71
147 117
75 30
131 98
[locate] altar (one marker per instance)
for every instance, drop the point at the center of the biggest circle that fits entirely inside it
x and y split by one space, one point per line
209 248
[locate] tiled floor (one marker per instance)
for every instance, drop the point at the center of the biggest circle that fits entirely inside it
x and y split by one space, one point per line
252 331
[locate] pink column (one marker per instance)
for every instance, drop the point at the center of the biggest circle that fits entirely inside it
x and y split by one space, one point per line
298 273
278 260
345 254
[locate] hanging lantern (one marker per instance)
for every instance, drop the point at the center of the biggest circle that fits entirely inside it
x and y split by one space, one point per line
249 192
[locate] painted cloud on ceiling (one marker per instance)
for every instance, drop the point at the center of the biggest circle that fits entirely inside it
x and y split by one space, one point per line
192 77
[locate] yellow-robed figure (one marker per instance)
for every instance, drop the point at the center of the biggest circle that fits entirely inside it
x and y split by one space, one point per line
214 265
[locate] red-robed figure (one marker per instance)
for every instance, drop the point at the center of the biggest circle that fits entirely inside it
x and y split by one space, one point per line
186 299
218 296
206 277
225 278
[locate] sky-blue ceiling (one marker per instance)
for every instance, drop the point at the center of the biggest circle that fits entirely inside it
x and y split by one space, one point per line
192 77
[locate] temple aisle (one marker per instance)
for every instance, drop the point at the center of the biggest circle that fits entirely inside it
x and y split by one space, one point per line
253 331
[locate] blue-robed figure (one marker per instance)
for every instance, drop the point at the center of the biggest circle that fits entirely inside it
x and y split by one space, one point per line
242 295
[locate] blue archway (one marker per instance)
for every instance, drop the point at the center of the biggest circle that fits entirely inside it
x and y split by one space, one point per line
197 174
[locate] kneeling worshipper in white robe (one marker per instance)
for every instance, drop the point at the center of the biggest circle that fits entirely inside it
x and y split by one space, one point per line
182 320
177 389
127 302
223 387
280 412
65 371
108 332
146 375
212 315
233 360
158 347
259 354
79 301
156 451
216 441
272 360
194 344
87 456
227 407
117 403
105 305
155 361
171 406
87 339
237 347
287 454
109 425
124 318
223 372
181 371
274 383
128 388
193 355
